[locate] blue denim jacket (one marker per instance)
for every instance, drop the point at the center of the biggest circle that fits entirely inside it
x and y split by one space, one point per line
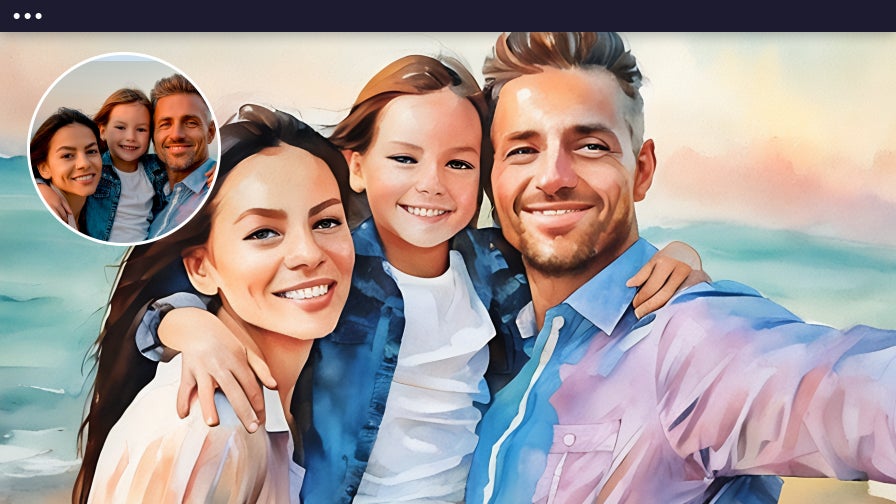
341 395
101 205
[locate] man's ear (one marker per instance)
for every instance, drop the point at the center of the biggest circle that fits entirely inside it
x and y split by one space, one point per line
644 170
356 175
44 169
199 270
212 130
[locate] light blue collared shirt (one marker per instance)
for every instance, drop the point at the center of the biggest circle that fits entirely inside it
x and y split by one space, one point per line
183 200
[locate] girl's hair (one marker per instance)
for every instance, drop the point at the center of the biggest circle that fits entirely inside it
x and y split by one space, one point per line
154 270
412 75
123 96
39 149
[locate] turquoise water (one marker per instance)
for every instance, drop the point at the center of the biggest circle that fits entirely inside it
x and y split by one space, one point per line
54 284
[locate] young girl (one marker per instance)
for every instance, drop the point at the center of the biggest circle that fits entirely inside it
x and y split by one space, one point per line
273 251
65 158
131 190
429 332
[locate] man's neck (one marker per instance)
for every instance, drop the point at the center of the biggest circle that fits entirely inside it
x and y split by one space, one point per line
551 289
175 176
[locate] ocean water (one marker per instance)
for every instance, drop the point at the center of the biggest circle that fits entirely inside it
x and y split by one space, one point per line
54 285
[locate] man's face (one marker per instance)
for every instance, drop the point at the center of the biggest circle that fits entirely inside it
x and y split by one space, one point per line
182 132
565 176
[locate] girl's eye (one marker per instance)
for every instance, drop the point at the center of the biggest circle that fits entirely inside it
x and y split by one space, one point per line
403 159
457 164
142 130
120 128
328 223
262 234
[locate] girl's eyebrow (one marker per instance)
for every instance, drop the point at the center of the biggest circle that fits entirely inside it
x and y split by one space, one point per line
264 212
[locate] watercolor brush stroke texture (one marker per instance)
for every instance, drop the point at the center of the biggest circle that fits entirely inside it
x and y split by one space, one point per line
776 161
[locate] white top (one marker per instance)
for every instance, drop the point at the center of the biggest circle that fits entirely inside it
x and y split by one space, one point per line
152 455
132 215
428 433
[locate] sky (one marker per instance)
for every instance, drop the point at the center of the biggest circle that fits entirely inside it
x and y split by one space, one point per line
780 130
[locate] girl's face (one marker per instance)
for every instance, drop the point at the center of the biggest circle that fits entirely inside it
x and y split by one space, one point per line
73 161
127 132
421 172
280 252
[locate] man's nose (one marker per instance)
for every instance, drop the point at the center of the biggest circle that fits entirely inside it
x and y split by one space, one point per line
555 172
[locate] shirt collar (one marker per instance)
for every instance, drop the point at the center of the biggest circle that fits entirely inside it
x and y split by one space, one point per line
195 181
604 299
275 417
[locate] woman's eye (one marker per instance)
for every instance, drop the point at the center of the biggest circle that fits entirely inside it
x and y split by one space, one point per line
457 164
328 223
262 234
403 159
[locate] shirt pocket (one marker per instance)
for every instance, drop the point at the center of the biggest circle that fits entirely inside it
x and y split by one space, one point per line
580 457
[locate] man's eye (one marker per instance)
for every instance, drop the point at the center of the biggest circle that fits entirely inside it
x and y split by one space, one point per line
519 151
262 234
596 147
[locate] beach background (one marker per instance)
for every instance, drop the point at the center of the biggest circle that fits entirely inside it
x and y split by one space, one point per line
777 162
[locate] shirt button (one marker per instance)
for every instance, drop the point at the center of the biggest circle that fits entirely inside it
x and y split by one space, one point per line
569 439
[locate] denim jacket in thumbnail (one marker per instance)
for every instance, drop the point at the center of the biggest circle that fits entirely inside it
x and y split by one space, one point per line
341 395
102 204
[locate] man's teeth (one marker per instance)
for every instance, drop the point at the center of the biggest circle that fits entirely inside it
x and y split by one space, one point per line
555 212
311 292
425 212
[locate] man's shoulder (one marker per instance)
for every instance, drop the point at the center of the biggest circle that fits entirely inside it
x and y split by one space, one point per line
710 302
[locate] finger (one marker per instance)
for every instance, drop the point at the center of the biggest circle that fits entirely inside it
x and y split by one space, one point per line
185 393
238 396
658 276
261 370
206 390
642 275
663 294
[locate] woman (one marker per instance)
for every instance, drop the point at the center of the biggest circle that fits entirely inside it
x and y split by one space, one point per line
273 253
65 154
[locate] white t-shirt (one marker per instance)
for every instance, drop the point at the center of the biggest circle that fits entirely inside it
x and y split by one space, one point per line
426 439
131 222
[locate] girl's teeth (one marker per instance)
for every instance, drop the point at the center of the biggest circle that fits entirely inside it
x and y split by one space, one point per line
425 212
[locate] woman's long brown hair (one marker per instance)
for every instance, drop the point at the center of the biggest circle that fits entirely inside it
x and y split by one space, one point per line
151 271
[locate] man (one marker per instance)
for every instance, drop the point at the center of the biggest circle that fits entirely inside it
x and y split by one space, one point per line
182 131
667 409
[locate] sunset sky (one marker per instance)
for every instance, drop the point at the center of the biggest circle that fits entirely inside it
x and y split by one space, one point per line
783 130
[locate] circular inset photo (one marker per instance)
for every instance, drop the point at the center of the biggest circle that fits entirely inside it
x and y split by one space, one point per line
123 148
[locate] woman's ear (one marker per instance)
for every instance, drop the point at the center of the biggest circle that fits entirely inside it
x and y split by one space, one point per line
199 270
44 169
356 175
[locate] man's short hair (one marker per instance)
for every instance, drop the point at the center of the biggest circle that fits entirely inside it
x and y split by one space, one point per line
175 84
523 53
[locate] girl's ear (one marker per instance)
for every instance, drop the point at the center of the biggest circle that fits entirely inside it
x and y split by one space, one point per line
102 132
44 169
199 270
356 175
